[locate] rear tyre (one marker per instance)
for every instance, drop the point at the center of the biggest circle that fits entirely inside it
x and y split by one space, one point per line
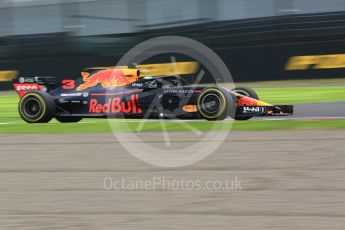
248 92
67 119
215 104
37 107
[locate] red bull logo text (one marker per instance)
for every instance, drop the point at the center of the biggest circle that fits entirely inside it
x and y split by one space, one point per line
116 105
107 78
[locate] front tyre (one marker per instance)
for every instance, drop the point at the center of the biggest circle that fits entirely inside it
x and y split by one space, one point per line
37 107
215 104
67 119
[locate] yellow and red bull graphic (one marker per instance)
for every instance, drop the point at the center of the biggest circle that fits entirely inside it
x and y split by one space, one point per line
108 78
116 105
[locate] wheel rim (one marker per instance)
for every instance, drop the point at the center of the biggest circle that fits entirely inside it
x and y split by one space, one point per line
211 103
32 107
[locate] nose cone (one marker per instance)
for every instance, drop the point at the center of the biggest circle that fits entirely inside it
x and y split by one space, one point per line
248 101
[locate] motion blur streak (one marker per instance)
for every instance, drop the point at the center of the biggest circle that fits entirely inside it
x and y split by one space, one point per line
293 184
256 41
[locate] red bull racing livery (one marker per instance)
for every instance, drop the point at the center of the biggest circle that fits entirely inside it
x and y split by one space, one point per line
122 92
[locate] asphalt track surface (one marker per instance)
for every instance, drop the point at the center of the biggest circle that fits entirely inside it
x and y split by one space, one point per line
289 180
329 109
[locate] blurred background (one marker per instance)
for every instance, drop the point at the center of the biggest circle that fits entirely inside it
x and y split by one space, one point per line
289 51
257 39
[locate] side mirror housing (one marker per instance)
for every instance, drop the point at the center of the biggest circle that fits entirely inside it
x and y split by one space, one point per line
147 85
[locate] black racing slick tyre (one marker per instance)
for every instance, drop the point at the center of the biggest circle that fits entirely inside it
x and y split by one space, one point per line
37 107
67 119
215 104
249 92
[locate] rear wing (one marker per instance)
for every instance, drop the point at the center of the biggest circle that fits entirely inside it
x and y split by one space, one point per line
39 83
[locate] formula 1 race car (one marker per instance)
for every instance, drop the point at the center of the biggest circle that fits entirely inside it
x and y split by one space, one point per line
122 92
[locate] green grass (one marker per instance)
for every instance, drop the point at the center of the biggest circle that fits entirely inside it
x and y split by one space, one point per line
8 108
299 95
10 122
102 125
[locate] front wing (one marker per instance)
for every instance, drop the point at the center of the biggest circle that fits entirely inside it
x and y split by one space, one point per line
274 110
247 106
